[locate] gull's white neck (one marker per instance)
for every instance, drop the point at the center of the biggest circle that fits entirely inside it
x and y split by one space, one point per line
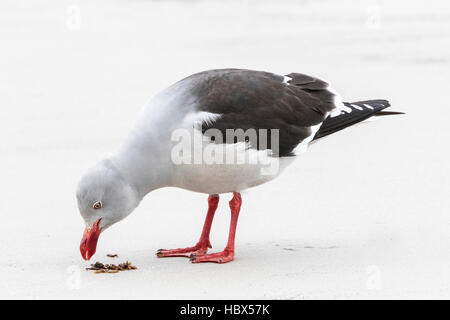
144 158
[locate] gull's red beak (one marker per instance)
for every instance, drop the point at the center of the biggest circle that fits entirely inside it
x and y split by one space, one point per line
88 244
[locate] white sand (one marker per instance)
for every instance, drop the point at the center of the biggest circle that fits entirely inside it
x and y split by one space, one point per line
365 214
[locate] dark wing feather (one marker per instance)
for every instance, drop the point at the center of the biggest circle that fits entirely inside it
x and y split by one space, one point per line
248 99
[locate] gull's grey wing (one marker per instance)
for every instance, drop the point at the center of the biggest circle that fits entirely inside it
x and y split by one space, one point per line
246 99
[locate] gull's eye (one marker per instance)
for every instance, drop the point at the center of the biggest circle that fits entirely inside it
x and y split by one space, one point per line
97 205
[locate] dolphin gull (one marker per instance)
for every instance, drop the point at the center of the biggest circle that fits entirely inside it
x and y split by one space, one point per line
214 132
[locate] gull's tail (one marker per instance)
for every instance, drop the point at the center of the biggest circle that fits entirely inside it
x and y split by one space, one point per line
354 112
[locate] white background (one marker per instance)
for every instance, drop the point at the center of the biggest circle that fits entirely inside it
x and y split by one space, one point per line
364 214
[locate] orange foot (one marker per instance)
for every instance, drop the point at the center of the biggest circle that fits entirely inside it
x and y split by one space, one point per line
226 255
198 249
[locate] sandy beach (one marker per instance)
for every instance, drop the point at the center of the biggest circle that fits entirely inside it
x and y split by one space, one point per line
364 214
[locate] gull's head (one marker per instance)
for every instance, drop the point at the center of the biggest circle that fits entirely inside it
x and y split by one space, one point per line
104 197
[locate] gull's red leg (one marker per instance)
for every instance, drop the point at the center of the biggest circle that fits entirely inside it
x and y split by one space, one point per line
227 254
203 244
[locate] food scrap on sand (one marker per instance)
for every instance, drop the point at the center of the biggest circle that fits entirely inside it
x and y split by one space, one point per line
99 267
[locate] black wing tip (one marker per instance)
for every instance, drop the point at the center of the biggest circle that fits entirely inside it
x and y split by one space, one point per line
360 111
380 105
389 113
